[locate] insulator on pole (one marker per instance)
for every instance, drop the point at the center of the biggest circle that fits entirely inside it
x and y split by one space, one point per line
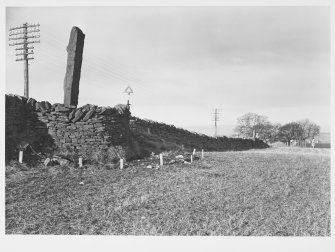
21 35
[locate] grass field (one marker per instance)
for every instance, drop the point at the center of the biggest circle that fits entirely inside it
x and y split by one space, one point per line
271 192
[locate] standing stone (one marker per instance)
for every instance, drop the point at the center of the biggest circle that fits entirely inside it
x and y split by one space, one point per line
73 68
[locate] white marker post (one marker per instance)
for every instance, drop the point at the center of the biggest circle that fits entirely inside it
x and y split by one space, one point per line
80 162
121 163
20 157
202 154
161 159
191 158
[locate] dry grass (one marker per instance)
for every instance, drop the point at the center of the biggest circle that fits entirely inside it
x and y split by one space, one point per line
273 192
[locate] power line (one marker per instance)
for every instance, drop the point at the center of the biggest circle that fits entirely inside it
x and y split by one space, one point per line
22 35
111 71
102 65
104 68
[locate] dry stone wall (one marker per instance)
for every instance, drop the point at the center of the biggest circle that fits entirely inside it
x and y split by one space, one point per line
90 128
191 139
64 127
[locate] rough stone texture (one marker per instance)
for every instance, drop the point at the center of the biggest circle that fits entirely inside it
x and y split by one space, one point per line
32 102
89 114
36 126
73 68
77 116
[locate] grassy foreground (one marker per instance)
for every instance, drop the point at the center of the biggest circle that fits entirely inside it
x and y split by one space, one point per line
276 192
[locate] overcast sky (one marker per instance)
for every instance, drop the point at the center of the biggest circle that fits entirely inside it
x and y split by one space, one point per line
182 62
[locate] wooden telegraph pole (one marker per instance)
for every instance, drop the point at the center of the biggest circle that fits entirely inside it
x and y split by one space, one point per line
22 36
216 118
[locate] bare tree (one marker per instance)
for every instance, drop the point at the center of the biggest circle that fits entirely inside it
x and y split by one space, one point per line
289 131
308 130
252 125
272 132
299 131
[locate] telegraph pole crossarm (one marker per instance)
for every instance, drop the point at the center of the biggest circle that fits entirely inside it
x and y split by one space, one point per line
18 54
24 39
24 59
22 48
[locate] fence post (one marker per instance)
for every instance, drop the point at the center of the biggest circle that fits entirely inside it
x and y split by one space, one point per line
161 159
121 163
20 157
80 162
191 158
202 154
193 152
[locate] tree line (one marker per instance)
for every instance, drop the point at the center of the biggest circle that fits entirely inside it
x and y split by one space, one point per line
253 125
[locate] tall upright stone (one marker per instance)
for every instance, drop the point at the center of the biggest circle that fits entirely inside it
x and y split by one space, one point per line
73 68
